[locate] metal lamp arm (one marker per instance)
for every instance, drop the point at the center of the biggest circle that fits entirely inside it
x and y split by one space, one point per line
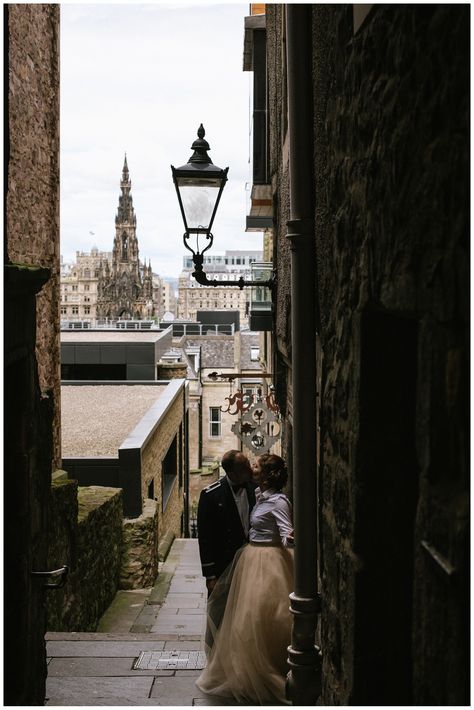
201 278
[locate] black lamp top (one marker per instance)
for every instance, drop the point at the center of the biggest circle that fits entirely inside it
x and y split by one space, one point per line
200 147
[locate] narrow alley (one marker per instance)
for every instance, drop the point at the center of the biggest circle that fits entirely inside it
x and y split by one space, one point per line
149 648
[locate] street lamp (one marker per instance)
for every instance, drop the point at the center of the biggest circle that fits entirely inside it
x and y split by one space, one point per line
199 185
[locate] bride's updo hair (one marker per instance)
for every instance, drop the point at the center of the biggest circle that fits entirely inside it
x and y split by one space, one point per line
274 471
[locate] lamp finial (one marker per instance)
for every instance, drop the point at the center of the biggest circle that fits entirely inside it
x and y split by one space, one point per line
200 147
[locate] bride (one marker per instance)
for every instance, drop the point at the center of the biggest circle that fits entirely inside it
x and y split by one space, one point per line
248 658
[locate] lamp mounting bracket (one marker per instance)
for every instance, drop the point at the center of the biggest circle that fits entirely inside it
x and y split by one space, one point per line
202 279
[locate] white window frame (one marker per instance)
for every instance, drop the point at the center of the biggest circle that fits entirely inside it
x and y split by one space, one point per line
215 411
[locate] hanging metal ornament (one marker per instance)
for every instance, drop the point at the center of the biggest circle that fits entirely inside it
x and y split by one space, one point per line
260 425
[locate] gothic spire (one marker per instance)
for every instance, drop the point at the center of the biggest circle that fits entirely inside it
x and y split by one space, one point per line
125 210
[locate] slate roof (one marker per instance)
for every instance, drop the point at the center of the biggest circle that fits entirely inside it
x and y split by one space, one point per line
216 351
248 338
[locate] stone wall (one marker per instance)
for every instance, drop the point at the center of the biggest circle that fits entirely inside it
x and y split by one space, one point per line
85 534
32 151
200 478
391 187
214 395
31 256
140 549
171 370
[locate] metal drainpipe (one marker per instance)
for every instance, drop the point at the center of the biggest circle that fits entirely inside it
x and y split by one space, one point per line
304 678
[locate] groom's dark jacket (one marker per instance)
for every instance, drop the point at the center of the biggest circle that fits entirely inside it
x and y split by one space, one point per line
220 529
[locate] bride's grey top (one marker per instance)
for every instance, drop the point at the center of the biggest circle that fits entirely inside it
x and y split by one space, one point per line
270 519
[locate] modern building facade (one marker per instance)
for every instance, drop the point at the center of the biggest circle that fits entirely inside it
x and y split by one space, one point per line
228 266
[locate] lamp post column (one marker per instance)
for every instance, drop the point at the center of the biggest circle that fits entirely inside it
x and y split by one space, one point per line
304 678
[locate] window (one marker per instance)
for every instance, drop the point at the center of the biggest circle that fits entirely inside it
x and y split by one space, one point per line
254 353
74 288
87 310
249 394
169 472
151 490
87 273
86 287
214 422
63 310
75 310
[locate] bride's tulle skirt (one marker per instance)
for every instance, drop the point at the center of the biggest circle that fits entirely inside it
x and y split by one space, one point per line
247 652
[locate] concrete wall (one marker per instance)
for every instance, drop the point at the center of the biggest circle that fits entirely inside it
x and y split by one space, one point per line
85 534
391 188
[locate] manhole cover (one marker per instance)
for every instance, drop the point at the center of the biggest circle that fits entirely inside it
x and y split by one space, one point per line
170 660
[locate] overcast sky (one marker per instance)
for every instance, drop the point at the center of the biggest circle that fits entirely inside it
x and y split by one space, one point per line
140 79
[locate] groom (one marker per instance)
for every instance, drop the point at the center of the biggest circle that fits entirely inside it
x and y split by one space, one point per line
224 516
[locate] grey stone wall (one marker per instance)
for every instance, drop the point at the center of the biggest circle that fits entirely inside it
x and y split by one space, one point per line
85 534
391 186
139 567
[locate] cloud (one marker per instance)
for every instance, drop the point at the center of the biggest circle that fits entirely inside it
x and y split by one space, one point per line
140 79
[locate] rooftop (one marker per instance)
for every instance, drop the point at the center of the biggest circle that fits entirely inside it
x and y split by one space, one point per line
107 336
96 419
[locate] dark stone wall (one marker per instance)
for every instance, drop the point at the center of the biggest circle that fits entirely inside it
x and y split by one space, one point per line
27 480
391 186
32 163
86 534
31 330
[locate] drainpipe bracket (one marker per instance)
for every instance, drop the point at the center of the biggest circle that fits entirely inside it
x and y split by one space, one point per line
299 230
305 605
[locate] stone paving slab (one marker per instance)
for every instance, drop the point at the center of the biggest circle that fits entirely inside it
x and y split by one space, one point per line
171 611
184 645
90 667
183 586
104 649
212 700
73 636
180 624
166 691
99 691
196 600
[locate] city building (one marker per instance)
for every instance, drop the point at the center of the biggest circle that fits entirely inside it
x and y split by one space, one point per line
193 297
125 286
119 354
79 285
168 302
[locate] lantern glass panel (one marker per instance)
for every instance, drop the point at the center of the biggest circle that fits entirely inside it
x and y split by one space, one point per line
198 204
